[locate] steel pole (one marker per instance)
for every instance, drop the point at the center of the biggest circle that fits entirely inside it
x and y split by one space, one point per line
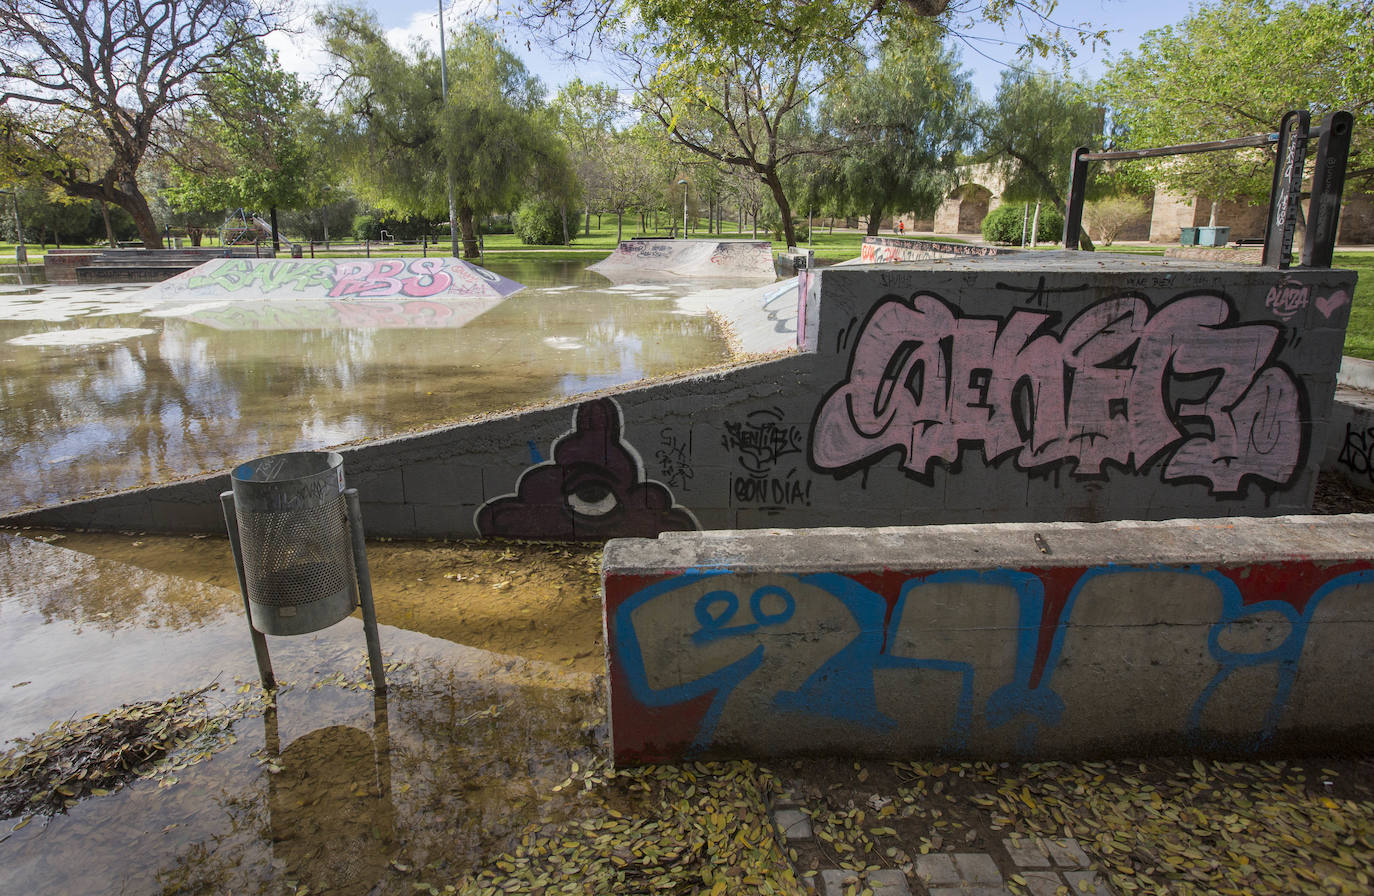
443 88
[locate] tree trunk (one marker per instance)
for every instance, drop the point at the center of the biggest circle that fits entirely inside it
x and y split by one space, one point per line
784 207
109 228
587 227
469 231
136 205
563 214
619 227
875 219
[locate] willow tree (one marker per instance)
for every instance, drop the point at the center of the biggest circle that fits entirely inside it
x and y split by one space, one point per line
901 122
1030 132
403 140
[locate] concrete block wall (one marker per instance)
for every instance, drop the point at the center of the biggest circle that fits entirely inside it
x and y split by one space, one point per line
1019 387
1350 450
1228 637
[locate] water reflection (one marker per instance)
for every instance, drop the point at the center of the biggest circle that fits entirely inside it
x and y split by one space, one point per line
331 829
80 419
333 789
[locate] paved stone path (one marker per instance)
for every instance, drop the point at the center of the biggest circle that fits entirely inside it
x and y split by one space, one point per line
1044 867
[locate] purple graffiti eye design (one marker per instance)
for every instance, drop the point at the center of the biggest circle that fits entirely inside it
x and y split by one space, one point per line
593 488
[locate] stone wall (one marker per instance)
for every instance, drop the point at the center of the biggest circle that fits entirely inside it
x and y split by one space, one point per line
1053 640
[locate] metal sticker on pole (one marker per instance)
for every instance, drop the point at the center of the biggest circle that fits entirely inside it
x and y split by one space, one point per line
1283 207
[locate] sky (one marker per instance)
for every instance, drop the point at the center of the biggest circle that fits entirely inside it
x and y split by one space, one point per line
986 52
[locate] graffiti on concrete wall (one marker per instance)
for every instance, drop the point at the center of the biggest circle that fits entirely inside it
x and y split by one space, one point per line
1357 451
1005 660
415 278
1122 386
883 250
594 487
674 456
769 452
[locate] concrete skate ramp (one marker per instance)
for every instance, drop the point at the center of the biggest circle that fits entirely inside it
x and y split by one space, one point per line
637 260
286 294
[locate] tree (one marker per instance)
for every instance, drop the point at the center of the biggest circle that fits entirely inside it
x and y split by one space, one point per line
833 24
901 123
403 139
1233 69
251 143
743 105
1030 132
586 116
87 85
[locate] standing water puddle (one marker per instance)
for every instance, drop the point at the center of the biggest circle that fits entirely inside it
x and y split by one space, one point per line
101 394
332 790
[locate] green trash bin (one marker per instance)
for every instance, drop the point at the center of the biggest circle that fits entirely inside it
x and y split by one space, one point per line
1187 236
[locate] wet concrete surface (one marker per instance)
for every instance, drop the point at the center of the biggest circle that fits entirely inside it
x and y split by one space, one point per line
104 390
330 790
485 773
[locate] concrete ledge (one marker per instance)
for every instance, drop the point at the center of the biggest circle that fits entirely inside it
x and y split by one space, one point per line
1235 636
1350 449
1356 373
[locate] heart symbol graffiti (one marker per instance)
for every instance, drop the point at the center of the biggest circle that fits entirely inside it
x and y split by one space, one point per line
1328 305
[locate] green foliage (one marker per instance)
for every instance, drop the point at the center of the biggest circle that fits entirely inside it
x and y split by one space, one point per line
901 124
251 144
405 143
539 222
90 89
771 222
1004 224
1105 218
1232 69
1031 130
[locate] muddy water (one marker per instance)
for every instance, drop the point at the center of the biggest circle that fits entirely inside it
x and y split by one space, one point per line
534 600
100 391
333 790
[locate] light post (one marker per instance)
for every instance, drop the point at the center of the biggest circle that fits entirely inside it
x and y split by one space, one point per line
443 88
683 183
21 252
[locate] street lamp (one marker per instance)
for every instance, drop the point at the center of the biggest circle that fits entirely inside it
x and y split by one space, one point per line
21 252
443 88
683 183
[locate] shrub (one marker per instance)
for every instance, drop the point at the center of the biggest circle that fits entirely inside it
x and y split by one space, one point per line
1003 224
771 221
539 222
1107 217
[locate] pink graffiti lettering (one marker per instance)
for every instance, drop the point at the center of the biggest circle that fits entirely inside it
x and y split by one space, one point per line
376 279
1287 299
1120 386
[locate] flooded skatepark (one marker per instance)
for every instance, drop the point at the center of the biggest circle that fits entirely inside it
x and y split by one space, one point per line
107 389
331 788
482 769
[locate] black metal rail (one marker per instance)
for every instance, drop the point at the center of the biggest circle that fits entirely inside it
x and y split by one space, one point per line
1292 137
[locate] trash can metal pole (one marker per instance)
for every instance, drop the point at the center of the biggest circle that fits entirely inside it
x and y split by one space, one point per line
364 576
269 682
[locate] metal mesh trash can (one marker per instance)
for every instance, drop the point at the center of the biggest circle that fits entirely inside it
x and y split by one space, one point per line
295 542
